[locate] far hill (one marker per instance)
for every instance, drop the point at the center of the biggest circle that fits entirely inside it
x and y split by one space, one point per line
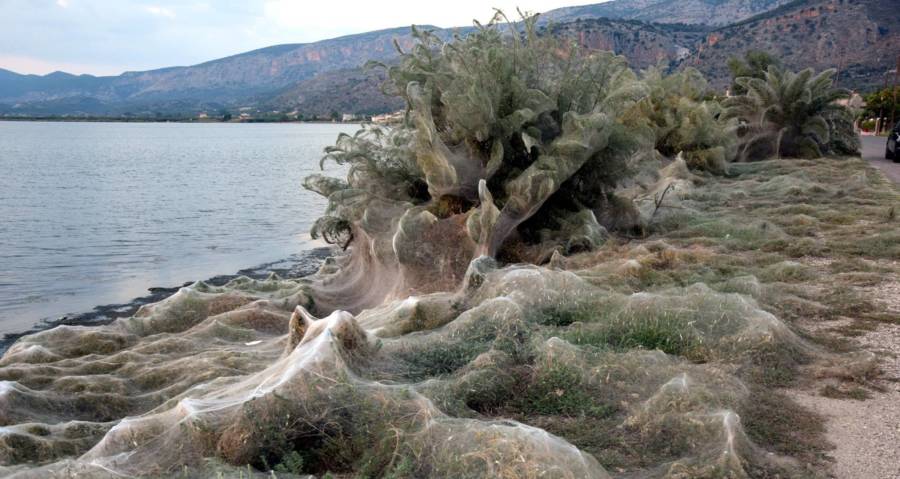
691 12
226 82
861 37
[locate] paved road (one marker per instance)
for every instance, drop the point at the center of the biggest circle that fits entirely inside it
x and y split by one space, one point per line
873 150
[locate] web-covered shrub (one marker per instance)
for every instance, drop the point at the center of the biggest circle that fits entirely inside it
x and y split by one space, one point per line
794 115
380 164
685 122
523 135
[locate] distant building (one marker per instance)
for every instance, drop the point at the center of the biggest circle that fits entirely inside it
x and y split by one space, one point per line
389 118
855 101
203 116
348 117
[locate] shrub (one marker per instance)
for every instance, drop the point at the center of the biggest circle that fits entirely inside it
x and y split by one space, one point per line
684 122
527 135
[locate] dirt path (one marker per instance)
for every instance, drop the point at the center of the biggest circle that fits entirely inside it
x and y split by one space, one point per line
865 433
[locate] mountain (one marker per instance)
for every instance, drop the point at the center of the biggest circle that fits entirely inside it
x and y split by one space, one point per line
644 44
351 90
861 38
359 91
320 78
692 12
219 83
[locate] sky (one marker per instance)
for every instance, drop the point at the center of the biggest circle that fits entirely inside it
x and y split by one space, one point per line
108 37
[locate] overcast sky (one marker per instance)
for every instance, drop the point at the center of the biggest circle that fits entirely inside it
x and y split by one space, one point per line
107 37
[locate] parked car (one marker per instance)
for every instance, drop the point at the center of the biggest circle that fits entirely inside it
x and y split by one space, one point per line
890 149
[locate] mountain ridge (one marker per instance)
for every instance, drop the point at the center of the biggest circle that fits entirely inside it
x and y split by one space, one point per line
319 78
702 12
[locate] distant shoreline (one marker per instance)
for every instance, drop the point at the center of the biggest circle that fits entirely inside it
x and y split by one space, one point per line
164 120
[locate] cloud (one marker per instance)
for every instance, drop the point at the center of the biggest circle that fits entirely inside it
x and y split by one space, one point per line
158 11
24 64
63 3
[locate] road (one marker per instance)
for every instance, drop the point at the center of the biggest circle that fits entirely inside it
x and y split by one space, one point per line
873 150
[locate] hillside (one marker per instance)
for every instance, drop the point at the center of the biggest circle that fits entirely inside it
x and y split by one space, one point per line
224 82
695 12
294 74
359 91
859 37
863 31
644 44
354 90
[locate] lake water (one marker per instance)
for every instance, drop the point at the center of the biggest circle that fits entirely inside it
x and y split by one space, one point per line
96 213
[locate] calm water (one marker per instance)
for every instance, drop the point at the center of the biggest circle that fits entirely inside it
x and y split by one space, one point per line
96 213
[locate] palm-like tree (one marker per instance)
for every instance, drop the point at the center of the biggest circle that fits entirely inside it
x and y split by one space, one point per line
794 115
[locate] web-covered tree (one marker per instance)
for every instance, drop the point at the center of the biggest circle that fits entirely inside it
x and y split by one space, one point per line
513 144
795 115
755 64
686 121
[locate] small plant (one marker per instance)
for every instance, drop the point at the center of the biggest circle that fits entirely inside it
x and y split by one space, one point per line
402 469
563 316
441 359
557 388
291 463
855 392
665 334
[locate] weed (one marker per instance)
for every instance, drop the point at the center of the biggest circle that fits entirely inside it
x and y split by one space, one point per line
559 389
854 392
441 359
664 333
778 422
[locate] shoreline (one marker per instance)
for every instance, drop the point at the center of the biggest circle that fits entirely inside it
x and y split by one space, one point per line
98 119
295 266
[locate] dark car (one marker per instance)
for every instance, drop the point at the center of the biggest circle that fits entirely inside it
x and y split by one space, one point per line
890 150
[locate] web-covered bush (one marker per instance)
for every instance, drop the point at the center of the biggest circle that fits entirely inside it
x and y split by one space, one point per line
685 122
381 165
522 137
794 115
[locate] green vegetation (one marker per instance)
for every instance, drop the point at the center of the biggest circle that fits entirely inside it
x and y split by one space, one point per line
884 103
686 122
549 129
559 389
792 115
755 64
